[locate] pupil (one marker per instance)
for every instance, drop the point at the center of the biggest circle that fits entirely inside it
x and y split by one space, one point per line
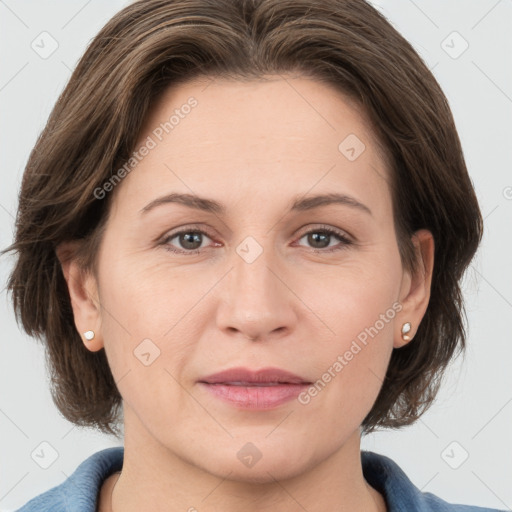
188 238
315 236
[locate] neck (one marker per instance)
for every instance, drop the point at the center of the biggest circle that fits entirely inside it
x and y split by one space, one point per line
154 478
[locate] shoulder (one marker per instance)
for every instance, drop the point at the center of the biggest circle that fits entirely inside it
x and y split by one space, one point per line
400 493
78 493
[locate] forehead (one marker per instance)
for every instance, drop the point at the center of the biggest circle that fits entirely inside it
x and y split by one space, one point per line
274 134
272 108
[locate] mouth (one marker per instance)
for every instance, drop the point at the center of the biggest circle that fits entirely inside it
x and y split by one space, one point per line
257 390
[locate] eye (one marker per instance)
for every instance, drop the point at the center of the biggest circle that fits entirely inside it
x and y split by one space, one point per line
320 238
189 239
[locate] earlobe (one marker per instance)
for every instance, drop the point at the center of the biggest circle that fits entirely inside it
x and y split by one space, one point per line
83 293
415 292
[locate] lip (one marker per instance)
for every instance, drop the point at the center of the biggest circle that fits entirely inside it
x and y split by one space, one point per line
241 375
254 389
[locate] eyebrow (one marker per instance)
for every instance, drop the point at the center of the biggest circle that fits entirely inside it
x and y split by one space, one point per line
298 204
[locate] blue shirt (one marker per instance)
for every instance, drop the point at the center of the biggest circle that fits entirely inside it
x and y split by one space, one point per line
80 491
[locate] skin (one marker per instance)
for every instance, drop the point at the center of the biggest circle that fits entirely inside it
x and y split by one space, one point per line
252 146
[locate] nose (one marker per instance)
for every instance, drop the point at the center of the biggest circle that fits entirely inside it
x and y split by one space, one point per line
256 301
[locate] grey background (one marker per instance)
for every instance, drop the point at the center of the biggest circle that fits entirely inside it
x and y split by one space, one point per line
473 414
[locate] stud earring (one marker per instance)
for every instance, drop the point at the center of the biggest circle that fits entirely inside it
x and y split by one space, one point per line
405 329
89 335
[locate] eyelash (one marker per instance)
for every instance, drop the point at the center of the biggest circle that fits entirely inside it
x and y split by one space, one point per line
345 242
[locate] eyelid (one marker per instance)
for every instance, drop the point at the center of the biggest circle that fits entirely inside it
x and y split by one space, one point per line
200 228
185 228
326 227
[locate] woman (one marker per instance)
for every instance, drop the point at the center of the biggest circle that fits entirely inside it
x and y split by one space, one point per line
241 235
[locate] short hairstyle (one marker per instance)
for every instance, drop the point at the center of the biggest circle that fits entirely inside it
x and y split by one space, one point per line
151 45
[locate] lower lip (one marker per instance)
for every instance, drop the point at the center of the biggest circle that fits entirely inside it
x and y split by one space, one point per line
256 397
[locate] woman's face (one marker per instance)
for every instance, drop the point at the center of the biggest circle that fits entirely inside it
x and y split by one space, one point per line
252 281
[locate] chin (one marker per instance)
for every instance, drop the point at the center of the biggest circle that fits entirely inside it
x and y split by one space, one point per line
260 462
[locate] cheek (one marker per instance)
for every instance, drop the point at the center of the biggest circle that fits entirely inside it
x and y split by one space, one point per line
351 367
350 298
148 300
142 309
358 308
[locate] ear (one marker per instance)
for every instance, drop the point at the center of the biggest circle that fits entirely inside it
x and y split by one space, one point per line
83 291
415 288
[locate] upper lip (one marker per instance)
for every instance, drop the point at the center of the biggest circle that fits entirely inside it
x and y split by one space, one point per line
242 375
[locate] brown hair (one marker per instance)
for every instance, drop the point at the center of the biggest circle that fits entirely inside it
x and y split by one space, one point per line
153 44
